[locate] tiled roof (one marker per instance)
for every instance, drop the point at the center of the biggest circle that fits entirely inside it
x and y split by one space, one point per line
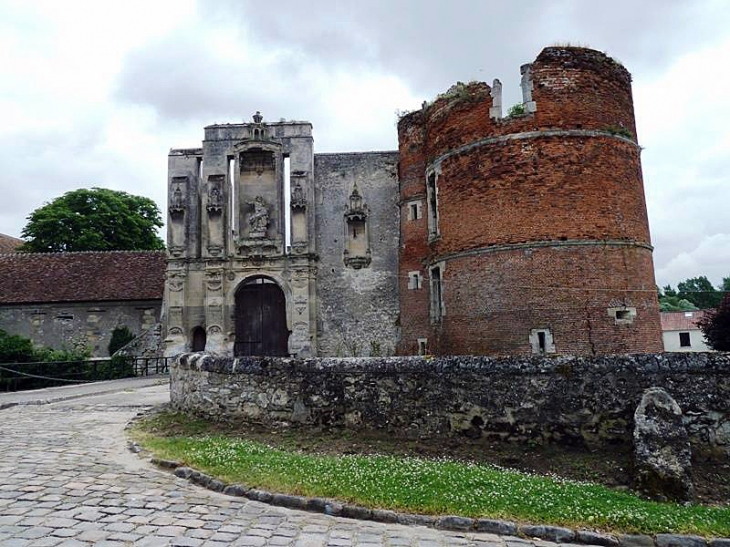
81 277
8 244
681 320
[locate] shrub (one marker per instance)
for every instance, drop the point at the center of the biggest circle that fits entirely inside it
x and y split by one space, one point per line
121 336
15 349
715 325
516 110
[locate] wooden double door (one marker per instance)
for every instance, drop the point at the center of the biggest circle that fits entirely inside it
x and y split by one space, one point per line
261 319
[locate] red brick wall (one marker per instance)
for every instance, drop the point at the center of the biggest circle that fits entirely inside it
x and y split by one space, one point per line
517 189
414 250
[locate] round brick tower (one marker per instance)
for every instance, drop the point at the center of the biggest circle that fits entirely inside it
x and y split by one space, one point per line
527 233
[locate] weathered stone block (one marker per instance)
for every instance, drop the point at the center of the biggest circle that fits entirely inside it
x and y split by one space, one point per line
661 448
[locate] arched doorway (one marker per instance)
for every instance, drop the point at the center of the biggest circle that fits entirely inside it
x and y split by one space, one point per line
260 319
198 339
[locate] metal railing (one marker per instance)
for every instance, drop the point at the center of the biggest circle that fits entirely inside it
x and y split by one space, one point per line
36 375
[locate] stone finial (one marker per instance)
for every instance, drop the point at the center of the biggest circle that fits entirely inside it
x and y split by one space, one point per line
662 456
495 112
258 118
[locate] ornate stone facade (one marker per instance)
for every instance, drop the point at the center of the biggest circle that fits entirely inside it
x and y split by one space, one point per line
241 280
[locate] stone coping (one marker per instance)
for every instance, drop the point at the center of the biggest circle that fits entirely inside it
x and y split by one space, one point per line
455 523
671 363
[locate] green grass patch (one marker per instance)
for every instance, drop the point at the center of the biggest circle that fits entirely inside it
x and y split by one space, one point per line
419 485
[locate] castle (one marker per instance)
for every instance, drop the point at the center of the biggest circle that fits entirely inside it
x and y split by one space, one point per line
482 234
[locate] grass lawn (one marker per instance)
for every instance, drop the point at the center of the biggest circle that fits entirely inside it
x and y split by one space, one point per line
419 485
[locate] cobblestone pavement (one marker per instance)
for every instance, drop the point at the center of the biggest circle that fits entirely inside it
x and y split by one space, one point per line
67 478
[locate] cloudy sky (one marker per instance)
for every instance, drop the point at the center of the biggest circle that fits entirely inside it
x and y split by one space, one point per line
95 93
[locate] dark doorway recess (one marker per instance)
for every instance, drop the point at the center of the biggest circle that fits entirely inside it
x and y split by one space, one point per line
261 319
198 339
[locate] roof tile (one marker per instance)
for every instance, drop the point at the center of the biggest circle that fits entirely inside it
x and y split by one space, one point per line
81 276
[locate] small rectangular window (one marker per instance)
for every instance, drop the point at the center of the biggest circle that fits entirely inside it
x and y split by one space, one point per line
414 280
541 341
623 315
684 341
423 346
436 295
415 210
432 195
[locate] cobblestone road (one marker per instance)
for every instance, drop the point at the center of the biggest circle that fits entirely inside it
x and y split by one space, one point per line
66 478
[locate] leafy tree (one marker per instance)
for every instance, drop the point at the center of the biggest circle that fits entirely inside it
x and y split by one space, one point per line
700 292
725 287
121 336
670 301
669 291
715 325
674 303
94 220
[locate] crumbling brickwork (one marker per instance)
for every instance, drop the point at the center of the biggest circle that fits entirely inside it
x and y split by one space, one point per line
534 236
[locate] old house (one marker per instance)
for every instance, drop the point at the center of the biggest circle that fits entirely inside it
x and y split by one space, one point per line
681 333
67 299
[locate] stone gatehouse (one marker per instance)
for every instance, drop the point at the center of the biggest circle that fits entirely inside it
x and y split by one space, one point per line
482 234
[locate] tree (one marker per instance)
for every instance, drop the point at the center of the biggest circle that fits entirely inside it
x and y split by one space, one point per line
725 287
700 292
715 325
670 301
94 220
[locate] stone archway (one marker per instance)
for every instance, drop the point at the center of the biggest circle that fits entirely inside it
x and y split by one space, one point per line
260 318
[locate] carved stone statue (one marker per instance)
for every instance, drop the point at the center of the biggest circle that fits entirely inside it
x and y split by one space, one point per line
258 221
177 201
297 197
215 202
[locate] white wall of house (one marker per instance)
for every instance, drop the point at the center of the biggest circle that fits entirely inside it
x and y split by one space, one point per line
676 340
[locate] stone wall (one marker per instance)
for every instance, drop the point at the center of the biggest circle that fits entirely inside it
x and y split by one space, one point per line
574 400
357 307
66 324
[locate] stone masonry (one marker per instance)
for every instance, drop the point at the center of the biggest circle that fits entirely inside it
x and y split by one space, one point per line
587 401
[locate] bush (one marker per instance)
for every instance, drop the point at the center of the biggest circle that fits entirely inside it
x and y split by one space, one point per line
121 336
516 110
48 355
15 349
715 325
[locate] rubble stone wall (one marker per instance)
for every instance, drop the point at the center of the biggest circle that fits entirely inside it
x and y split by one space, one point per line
586 401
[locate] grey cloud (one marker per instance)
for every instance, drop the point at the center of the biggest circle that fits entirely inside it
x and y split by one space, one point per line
432 43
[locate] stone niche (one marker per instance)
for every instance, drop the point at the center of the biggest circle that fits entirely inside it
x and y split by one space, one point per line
216 220
177 208
357 252
259 187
